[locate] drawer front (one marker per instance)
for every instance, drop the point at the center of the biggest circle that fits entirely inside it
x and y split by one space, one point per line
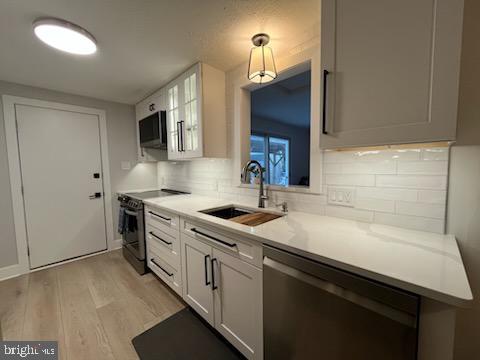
162 220
164 245
245 250
171 276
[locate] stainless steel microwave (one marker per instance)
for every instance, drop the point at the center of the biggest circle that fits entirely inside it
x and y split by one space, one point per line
153 131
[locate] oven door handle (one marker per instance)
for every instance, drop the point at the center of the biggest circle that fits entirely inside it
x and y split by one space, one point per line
130 212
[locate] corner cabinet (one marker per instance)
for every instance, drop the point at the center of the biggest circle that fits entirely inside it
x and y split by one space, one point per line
146 107
390 71
196 118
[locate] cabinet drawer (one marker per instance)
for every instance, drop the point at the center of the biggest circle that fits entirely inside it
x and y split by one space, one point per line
164 270
243 249
162 220
164 245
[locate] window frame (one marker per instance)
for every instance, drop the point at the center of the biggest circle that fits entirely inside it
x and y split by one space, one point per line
266 138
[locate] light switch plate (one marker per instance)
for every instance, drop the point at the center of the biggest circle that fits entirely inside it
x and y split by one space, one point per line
343 196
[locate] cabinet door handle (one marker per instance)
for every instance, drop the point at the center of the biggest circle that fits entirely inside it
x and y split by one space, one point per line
207 282
161 268
214 287
160 216
178 136
159 238
151 107
324 108
222 242
182 128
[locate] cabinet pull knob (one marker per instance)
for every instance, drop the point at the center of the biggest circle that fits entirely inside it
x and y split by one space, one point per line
151 107
324 108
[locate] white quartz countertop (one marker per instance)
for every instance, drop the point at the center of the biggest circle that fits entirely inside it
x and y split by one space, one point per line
424 263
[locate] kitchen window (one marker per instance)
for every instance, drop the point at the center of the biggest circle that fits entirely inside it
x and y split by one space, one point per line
273 153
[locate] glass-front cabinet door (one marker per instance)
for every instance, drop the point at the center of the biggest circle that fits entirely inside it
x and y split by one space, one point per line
184 120
191 126
173 122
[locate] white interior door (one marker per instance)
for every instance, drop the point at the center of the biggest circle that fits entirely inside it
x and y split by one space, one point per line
59 154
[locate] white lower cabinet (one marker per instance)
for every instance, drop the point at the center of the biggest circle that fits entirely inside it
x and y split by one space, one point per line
196 265
162 237
238 303
225 291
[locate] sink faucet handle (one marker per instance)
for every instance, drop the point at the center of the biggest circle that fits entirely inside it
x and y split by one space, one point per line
284 206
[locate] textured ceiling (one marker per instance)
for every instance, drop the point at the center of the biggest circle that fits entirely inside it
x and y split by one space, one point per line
144 43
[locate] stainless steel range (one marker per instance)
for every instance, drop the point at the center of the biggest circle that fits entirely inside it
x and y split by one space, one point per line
132 224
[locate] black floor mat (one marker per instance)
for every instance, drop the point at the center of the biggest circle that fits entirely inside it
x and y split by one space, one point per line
183 336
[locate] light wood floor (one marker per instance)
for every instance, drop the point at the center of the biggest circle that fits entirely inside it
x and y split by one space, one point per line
93 307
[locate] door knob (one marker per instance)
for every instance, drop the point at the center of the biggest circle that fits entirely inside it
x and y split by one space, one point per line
95 196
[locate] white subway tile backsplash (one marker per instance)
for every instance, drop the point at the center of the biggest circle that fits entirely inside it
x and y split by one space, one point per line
435 153
381 167
436 211
411 222
412 181
387 194
399 187
353 180
372 155
375 204
423 167
432 196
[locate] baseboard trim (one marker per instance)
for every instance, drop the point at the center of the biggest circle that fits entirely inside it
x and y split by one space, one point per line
116 244
15 270
11 271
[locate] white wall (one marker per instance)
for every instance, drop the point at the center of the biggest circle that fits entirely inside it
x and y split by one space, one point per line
463 217
121 147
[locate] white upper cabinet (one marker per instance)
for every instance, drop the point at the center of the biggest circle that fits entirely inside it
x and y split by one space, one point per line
196 122
390 71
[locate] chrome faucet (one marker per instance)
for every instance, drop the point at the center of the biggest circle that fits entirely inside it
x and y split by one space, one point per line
248 168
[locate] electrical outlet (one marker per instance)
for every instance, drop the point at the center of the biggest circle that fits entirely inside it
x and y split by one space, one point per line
125 165
341 196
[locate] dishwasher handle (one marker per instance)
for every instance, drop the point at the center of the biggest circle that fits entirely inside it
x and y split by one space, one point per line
333 289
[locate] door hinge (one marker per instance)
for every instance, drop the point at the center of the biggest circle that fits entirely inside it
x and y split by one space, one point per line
28 250
23 191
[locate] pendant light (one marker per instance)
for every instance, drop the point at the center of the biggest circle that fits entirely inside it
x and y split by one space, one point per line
261 67
65 36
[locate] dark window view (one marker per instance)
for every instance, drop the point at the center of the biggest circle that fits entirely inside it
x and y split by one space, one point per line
280 130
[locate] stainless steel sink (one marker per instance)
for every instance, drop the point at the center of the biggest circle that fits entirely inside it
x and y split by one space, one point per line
227 212
250 217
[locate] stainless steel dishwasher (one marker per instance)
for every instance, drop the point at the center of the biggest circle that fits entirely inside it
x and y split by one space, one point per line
314 311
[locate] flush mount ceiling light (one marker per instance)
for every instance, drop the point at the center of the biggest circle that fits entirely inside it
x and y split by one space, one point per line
65 36
261 67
